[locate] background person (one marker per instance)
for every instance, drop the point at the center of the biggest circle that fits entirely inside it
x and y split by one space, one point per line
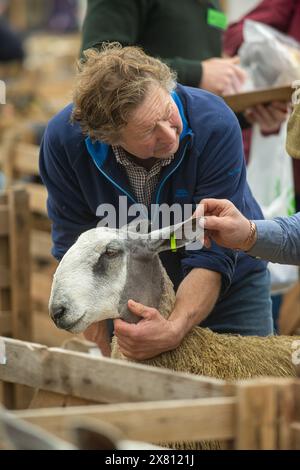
276 240
188 39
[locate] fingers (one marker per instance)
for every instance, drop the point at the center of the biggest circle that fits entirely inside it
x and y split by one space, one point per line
213 223
279 111
273 113
236 74
207 241
236 83
240 74
281 106
233 78
222 76
262 117
249 116
268 117
123 328
235 59
128 329
141 310
127 348
131 351
215 206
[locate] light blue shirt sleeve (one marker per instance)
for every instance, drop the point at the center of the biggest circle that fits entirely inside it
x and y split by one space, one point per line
278 240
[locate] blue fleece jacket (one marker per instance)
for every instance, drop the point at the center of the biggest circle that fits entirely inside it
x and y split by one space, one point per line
80 175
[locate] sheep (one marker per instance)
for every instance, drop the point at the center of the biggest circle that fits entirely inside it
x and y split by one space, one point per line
106 267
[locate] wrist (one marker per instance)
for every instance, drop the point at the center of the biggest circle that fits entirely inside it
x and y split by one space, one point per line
251 238
179 327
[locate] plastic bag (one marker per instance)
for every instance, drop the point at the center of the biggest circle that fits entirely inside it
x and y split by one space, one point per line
270 177
269 57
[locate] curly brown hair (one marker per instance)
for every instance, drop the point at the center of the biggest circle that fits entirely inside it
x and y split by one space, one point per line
110 84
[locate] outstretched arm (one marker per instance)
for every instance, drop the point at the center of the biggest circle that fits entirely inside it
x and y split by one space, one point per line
276 240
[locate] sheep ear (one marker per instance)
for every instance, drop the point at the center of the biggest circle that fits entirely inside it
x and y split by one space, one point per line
189 232
138 226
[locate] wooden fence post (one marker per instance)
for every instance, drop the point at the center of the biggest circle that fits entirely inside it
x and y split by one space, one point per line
265 411
15 306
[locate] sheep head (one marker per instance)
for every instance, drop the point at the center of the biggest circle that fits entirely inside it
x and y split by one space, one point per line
107 267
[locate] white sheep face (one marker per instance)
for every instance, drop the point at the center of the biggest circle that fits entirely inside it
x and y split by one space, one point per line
107 267
89 281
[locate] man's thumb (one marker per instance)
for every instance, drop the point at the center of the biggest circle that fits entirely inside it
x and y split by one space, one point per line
148 313
212 222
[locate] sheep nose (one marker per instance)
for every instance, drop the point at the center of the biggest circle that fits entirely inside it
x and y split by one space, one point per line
58 314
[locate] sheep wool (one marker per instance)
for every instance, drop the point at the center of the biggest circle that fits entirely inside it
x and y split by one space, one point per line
222 356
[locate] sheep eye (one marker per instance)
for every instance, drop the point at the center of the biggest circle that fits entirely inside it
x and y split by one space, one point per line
110 252
104 261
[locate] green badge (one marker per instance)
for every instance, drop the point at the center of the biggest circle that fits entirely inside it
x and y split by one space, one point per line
173 243
216 18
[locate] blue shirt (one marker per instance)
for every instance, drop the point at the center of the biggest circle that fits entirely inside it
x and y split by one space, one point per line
80 175
278 240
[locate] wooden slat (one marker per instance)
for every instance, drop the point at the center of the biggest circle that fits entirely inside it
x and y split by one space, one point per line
41 288
286 406
8 398
256 414
4 277
99 379
60 90
289 319
26 159
7 151
295 431
4 264
41 222
20 264
297 401
3 221
41 244
5 300
3 198
264 413
5 323
45 332
45 399
169 421
5 292
37 198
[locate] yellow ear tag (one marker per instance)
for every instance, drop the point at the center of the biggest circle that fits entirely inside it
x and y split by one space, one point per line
173 243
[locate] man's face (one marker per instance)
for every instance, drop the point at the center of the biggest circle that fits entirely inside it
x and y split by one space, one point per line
154 128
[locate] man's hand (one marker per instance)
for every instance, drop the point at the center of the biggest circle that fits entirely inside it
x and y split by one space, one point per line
222 76
225 224
269 117
148 338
